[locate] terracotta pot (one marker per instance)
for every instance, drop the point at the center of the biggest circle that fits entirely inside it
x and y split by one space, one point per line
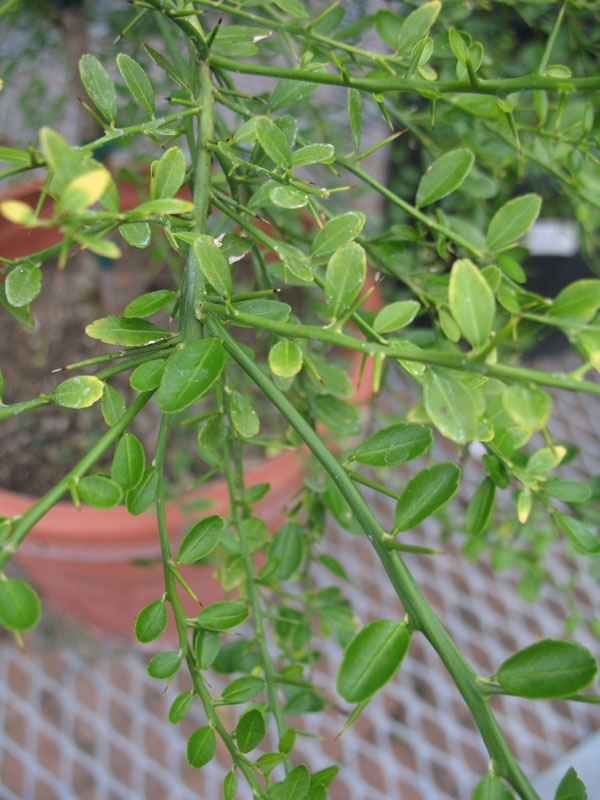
100 567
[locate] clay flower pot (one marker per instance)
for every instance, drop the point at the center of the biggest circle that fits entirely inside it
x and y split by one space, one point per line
101 567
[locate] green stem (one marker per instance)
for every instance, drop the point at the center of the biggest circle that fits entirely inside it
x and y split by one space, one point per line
351 166
179 614
551 39
193 282
435 358
26 522
421 615
234 481
381 85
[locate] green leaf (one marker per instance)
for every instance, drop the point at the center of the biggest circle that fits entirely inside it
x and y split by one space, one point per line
339 231
168 174
273 310
285 359
129 462
84 190
492 788
137 82
579 301
20 606
99 86
170 69
296 784
324 777
243 689
161 206
250 730
395 316
426 492
393 445
293 7
568 491
340 417
230 786
273 142
417 25
97 244
151 622
147 376
580 536
80 392
288 549
243 416
444 176
288 197
125 331
164 665
214 266
570 787
223 615
144 494
355 115
206 647
549 669
201 747
200 540
64 160
137 234
23 284
147 304
22 315
181 707
471 302
8 155
450 406
113 405
99 491
480 507
313 154
236 41
529 408
344 278
290 93
512 221
190 373
371 658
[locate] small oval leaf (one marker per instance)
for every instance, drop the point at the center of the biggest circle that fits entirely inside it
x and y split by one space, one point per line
223 615
243 689
471 302
23 284
550 669
201 747
344 278
250 730
20 606
371 658
512 221
285 359
200 540
99 86
151 622
147 304
129 462
338 232
137 82
126 332
444 176
395 316
99 491
190 373
426 492
80 392
394 445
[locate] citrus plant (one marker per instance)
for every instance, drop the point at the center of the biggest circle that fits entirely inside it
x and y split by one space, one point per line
258 195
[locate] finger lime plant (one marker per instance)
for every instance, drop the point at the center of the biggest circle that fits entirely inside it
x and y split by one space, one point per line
257 169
